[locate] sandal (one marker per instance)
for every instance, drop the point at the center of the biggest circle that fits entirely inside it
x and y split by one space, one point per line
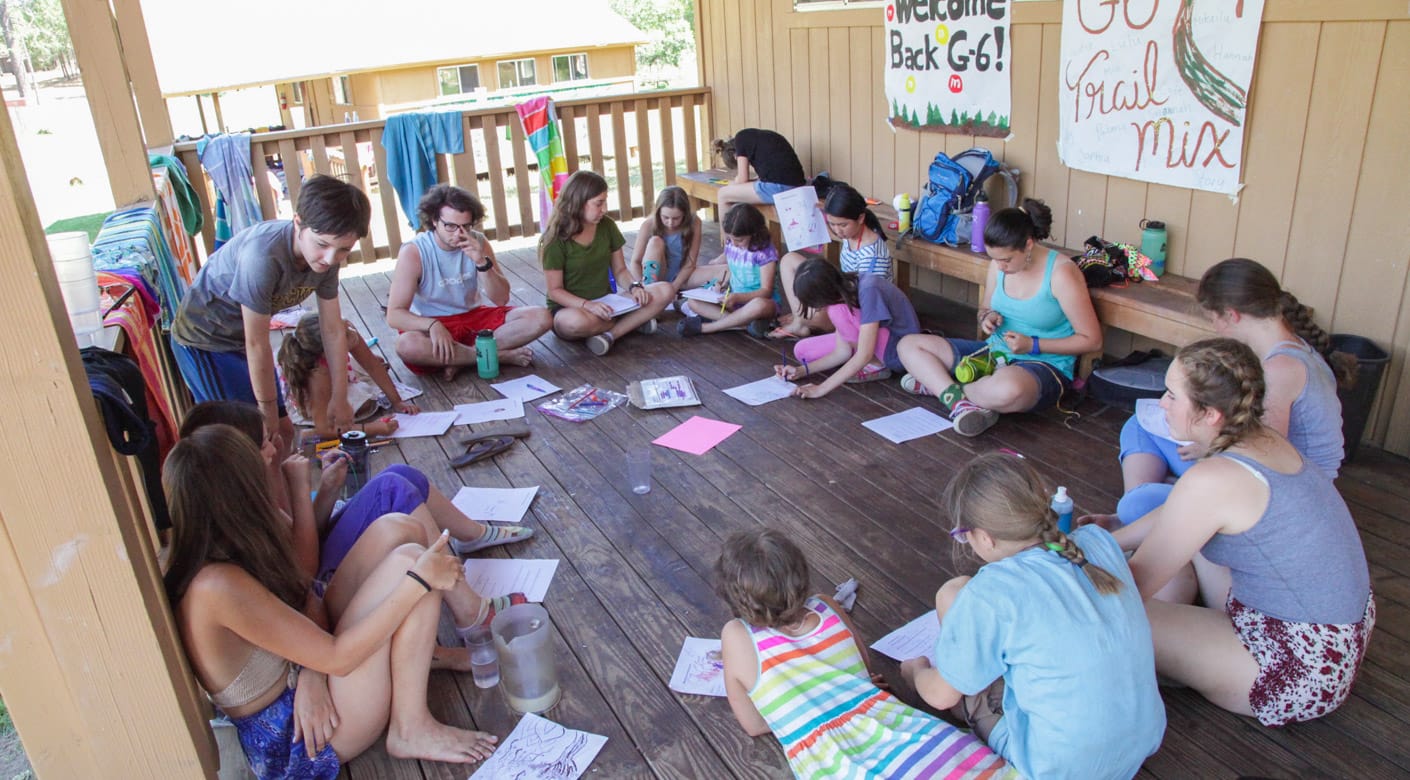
479 449
869 373
760 329
516 428
492 607
783 334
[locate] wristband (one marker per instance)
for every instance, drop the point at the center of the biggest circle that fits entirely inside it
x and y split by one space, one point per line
487 266
419 581
1035 350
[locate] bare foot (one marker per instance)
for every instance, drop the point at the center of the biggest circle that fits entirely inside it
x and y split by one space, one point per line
519 356
450 372
455 659
435 741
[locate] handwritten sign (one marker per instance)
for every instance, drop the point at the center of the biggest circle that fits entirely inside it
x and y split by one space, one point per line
947 65
1157 90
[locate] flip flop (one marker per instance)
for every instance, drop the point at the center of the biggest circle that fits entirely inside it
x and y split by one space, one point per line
783 334
483 448
518 429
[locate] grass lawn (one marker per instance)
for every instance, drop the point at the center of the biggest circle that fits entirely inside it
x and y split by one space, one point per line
88 224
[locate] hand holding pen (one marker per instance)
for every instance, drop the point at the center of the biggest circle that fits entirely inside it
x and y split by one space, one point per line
787 372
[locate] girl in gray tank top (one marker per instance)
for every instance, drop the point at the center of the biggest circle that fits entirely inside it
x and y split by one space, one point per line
1263 535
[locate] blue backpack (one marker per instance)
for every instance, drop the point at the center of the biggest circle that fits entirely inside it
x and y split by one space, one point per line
949 192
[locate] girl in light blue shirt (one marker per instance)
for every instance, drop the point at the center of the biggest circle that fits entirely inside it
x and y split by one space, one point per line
1046 652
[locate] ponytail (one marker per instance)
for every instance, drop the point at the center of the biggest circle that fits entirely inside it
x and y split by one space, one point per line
299 355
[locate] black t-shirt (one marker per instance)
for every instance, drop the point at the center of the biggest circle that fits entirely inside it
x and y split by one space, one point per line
771 155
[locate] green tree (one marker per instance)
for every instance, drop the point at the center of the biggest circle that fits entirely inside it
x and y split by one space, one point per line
16 61
46 35
670 25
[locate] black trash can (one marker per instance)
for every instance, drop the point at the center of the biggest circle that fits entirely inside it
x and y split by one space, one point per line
1356 403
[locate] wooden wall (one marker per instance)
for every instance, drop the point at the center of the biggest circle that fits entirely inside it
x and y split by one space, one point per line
1325 205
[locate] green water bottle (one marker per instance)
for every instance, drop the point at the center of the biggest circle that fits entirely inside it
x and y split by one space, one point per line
486 355
1153 244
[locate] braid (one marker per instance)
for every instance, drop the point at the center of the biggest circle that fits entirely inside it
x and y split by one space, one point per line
298 357
1062 544
1299 318
1224 374
1247 411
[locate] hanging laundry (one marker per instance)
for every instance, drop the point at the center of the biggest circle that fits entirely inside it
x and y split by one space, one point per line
226 159
540 122
412 142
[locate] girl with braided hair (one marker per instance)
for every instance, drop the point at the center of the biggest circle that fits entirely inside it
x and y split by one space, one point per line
303 369
1276 556
1301 376
1046 651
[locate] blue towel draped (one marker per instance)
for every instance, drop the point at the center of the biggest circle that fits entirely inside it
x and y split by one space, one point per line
412 142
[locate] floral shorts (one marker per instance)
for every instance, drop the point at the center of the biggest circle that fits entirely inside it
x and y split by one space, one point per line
1305 670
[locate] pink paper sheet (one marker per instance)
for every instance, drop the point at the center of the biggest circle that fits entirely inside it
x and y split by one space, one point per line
697 435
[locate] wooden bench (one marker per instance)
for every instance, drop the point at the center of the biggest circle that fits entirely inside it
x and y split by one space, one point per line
703 187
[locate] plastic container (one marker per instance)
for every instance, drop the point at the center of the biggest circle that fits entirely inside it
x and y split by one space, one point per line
78 283
354 443
1062 506
486 355
1153 241
981 219
902 204
1356 402
528 673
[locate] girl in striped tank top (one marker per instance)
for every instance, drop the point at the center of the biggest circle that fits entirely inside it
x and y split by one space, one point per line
794 667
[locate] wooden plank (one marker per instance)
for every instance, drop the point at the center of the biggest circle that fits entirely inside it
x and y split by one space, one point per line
1213 221
693 151
367 251
667 117
864 61
1336 136
1086 198
1125 208
1026 65
292 170
747 39
197 176
463 164
622 165
391 218
568 122
518 142
838 156
142 73
594 123
319 149
268 199
818 142
642 109
1279 123
1049 181
500 208
93 671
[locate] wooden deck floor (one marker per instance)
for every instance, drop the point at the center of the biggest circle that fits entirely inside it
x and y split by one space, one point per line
635 579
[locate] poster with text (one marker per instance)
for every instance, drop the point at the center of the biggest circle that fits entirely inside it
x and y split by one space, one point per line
947 65
1157 90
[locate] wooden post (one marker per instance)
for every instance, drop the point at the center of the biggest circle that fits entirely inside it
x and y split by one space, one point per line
106 84
201 109
219 118
137 53
90 661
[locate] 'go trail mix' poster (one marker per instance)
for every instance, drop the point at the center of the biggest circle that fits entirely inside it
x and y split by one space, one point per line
1157 90
947 65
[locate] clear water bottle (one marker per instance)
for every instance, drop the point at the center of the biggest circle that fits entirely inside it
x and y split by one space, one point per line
1153 244
486 355
1062 506
981 219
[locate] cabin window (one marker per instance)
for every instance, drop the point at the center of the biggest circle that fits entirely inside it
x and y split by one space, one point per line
458 79
517 73
570 67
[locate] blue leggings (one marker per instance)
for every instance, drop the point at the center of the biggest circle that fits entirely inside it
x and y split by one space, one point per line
1143 498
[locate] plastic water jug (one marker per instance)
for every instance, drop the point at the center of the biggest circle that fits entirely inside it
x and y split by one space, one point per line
1153 244
1062 507
523 635
78 282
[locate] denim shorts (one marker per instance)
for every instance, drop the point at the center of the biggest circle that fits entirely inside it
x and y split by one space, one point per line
766 190
1051 382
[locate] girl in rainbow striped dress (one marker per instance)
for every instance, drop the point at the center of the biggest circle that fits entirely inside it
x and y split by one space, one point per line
793 666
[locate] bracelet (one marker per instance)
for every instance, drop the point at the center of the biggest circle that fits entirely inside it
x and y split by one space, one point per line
487 266
1035 350
982 314
419 581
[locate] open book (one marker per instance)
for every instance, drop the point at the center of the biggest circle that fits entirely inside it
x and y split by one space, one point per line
620 304
704 294
663 393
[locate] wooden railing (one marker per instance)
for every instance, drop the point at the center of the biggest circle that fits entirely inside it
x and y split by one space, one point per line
636 141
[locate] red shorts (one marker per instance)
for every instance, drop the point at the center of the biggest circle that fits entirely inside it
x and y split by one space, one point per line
465 327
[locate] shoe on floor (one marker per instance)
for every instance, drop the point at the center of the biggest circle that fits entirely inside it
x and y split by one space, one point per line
870 373
493 536
970 419
689 326
759 329
913 386
493 607
600 343
647 328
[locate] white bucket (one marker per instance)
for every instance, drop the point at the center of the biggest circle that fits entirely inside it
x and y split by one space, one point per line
78 282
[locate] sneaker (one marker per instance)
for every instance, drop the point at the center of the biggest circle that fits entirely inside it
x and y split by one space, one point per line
689 326
870 373
913 386
647 328
759 329
492 607
972 420
600 343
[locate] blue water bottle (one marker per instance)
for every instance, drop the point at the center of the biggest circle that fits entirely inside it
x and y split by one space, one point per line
981 218
486 355
1153 244
1062 507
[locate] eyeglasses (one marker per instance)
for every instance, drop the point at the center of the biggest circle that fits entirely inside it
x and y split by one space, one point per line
456 227
960 534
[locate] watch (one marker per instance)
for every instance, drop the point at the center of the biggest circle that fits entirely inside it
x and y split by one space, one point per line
636 285
487 266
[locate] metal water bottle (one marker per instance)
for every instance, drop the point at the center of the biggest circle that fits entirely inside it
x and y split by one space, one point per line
354 443
1153 244
981 219
1062 506
486 355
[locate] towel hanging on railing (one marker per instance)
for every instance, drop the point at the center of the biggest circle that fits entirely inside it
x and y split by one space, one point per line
546 141
412 142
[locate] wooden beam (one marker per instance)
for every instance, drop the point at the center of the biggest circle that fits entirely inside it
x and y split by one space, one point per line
106 84
137 53
90 661
219 117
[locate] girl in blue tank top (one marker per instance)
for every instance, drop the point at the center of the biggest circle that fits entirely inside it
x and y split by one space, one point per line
1245 303
1264 539
668 246
1038 316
